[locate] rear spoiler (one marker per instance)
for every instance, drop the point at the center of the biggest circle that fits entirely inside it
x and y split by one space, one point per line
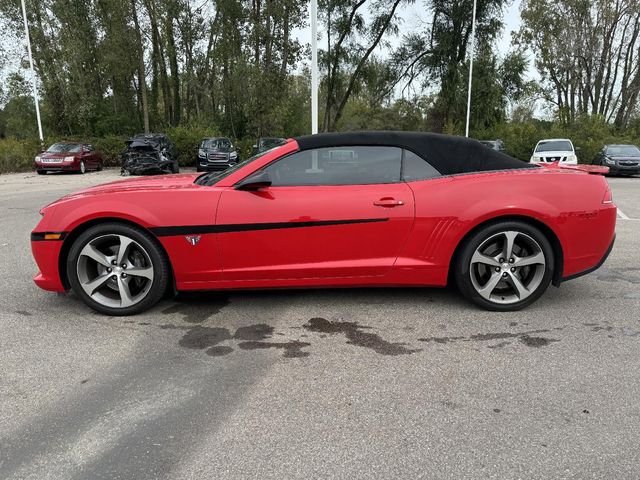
592 169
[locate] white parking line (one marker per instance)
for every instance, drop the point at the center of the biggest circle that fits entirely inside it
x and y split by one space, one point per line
622 215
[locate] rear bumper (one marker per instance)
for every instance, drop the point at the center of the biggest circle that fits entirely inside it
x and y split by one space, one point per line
595 267
46 254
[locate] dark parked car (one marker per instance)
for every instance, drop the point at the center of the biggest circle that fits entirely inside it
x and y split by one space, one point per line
621 159
494 144
68 157
149 154
216 153
267 143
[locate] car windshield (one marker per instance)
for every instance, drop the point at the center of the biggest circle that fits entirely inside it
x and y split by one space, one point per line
63 148
623 151
219 143
554 146
213 177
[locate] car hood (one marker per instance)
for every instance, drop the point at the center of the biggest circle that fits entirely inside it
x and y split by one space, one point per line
555 153
158 182
56 155
624 158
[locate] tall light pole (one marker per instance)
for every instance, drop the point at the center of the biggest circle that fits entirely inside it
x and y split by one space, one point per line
314 66
473 47
33 73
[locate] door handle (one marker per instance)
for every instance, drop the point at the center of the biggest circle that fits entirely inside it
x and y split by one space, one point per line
388 202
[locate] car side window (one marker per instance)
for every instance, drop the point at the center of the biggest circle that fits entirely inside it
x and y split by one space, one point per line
338 166
416 168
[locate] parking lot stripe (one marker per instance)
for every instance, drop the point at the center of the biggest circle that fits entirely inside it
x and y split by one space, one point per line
622 215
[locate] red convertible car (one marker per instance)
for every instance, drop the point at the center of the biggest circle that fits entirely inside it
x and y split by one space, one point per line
332 210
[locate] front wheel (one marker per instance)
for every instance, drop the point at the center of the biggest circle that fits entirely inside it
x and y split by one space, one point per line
504 266
83 168
117 269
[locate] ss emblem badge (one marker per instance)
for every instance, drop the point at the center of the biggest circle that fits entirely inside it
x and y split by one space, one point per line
192 239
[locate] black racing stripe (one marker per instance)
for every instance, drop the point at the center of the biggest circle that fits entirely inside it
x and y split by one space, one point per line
246 227
39 236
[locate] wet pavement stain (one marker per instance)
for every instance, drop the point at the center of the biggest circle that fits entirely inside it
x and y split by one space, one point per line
630 275
291 349
23 312
260 331
440 339
600 328
537 342
524 337
200 337
251 338
219 351
355 336
196 309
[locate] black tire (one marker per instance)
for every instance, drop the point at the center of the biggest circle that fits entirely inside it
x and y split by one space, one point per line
462 266
198 168
83 168
41 172
152 248
100 167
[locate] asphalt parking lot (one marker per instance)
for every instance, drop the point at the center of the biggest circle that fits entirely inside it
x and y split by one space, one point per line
366 383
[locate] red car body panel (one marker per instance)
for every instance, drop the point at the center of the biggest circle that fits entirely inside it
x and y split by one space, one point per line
353 235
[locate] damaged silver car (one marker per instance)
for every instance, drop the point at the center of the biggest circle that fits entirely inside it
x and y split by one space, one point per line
149 154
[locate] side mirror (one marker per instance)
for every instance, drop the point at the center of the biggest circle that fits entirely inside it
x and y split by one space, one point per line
255 182
254 146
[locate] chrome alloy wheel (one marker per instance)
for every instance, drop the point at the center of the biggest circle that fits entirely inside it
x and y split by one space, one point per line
115 271
507 267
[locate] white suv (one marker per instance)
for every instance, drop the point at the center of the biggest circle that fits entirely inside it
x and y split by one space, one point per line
555 150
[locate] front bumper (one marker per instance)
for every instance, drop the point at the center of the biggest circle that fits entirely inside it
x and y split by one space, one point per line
57 167
203 164
46 254
624 169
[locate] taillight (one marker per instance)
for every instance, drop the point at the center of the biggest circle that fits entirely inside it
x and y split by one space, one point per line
608 196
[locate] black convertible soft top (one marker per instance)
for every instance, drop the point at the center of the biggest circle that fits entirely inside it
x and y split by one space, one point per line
448 154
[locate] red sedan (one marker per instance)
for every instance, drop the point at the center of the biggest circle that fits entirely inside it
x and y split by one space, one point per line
332 210
68 157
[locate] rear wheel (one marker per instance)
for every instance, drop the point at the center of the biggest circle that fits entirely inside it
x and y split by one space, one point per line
99 169
117 269
505 266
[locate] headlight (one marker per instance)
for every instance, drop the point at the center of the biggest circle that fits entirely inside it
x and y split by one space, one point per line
233 155
69 159
37 159
535 159
609 161
572 158
201 153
